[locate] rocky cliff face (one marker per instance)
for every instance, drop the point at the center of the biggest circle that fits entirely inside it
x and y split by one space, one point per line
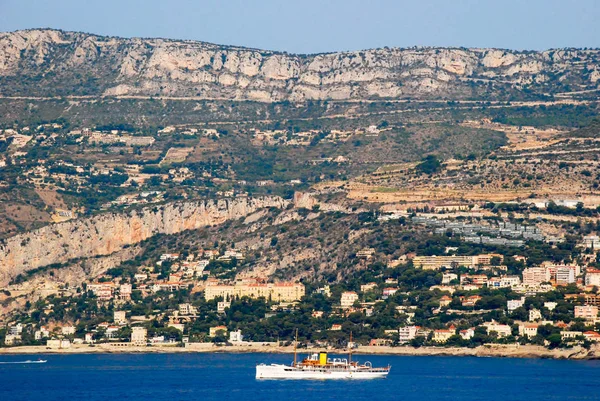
109 233
51 63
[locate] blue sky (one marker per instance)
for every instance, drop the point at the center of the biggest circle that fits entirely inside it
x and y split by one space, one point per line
312 26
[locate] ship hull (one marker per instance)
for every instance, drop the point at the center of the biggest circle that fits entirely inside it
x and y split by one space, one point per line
287 372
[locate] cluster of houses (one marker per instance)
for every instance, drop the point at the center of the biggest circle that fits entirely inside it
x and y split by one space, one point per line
501 233
305 138
534 280
111 333
183 274
490 273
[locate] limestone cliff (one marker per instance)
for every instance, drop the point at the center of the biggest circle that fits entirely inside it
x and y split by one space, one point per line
57 63
107 233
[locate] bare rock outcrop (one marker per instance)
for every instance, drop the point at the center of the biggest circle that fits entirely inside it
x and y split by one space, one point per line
47 62
108 233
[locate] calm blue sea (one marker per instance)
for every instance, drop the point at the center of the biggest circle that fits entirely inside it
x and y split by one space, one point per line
222 377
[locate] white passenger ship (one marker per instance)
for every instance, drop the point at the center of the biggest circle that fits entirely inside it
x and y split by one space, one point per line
319 366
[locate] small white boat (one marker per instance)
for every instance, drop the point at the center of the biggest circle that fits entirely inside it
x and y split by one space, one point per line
27 361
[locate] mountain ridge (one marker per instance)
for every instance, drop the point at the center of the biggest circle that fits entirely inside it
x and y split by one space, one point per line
414 47
47 62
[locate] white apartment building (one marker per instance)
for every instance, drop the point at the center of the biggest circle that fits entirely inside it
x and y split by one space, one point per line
448 277
565 275
591 241
534 276
503 330
236 336
592 277
67 330
514 304
221 306
187 309
348 299
119 317
405 334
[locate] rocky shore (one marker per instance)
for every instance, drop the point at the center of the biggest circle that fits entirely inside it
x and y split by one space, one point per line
499 351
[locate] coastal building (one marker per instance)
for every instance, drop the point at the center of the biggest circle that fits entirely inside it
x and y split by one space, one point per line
139 336
509 281
88 338
470 301
325 290
140 276
504 282
468 333
112 331
590 241
534 276
167 286
67 330
366 253
447 278
570 335
58 344
380 342
255 288
234 254
210 253
222 305
528 330
553 269
441 336
445 301
479 280
169 256
405 334
592 277
119 317
587 312
588 298
565 275
103 290
187 309
125 292
12 339
503 330
368 287
42 333
215 331
592 336
437 262
348 299
236 336
453 261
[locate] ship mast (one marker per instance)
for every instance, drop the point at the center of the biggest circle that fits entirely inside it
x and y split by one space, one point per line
350 349
295 347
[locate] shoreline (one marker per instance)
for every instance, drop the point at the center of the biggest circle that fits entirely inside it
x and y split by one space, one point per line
492 350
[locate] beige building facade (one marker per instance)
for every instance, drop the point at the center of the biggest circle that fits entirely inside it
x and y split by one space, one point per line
280 292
